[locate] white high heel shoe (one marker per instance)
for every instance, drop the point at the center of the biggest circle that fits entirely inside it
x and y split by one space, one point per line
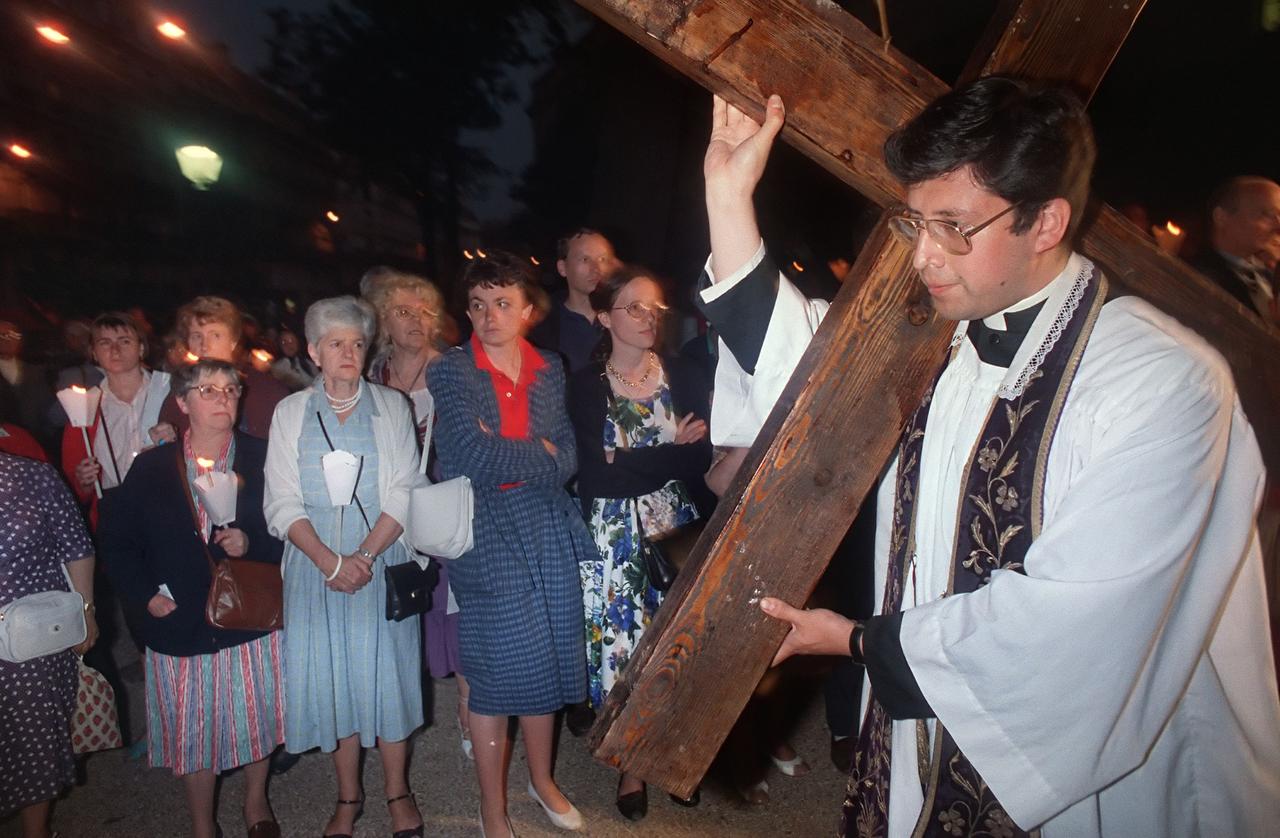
511 830
570 820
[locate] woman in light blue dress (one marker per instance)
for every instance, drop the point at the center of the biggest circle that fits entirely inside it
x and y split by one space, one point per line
352 678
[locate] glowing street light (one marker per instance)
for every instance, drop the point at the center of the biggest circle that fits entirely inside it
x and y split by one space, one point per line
535 261
481 253
199 164
19 151
332 216
171 30
468 254
53 35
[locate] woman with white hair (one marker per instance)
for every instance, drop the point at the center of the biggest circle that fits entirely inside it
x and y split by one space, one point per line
353 678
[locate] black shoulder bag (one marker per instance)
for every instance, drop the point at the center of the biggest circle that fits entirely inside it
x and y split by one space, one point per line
409 585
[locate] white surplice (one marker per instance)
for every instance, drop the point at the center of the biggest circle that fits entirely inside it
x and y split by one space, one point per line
1124 686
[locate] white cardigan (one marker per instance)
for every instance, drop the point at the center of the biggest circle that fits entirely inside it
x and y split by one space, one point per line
393 433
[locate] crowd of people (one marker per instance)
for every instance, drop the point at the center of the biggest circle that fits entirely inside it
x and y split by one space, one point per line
573 451
582 439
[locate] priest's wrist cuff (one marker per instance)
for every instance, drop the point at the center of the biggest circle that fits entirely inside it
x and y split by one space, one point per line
855 644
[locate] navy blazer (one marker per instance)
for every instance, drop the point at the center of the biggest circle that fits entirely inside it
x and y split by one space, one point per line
518 528
147 537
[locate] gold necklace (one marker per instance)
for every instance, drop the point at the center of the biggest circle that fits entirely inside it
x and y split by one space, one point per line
635 385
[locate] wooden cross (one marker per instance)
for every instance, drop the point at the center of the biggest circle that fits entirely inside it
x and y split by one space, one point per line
835 426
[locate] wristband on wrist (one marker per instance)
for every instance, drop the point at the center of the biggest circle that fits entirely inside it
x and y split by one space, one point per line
336 569
855 644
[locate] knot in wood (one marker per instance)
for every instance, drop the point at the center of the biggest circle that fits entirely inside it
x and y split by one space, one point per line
847 155
918 312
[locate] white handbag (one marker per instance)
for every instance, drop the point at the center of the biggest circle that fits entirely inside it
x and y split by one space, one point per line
41 624
440 513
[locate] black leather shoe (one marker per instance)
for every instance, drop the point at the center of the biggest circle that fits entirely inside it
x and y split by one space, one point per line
282 761
842 754
634 805
579 718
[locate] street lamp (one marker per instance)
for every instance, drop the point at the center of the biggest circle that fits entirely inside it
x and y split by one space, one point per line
53 35
171 30
199 164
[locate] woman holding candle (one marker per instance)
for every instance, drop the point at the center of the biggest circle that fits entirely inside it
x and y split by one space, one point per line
502 423
213 695
126 422
354 677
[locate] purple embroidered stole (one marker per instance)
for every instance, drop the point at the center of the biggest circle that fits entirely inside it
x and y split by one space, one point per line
1000 515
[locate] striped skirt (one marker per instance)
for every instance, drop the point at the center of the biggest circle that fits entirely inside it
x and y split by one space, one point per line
218 711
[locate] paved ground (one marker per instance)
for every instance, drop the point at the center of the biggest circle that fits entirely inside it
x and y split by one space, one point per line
122 797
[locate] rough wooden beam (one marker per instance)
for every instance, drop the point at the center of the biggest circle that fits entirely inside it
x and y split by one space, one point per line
823 447
1022 48
845 89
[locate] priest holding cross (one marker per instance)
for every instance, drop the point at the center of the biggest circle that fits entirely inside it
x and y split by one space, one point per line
1071 634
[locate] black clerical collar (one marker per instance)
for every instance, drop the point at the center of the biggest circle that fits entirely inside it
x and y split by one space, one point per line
998 346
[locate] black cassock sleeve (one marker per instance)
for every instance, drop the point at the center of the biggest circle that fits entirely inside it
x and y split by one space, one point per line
741 315
892 682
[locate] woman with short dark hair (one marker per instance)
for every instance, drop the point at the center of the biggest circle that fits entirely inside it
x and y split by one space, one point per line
502 423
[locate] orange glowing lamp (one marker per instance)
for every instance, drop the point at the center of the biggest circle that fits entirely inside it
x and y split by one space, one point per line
204 463
53 35
1174 229
20 151
332 216
171 30
262 355
192 357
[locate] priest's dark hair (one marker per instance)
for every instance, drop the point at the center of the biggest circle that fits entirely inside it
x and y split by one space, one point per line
1028 143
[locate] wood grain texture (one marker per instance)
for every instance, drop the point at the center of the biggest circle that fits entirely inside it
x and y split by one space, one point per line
1067 41
822 449
845 91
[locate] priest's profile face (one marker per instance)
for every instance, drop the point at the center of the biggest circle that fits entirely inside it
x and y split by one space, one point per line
1001 268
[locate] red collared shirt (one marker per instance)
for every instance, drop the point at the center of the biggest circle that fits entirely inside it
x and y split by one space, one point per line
512 396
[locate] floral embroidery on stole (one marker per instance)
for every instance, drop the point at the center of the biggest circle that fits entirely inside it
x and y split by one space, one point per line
1000 515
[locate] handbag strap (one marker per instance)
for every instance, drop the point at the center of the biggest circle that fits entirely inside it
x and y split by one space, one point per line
191 504
102 429
355 496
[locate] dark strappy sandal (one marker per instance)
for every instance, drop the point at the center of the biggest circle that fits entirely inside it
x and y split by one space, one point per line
359 812
413 832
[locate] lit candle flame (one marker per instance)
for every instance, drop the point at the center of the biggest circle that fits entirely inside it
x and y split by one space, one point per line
20 151
534 260
1174 229
192 357
76 388
262 355
799 268
481 253
467 253
332 216
204 463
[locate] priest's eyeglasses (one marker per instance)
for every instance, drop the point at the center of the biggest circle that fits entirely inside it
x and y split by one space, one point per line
212 392
949 235
640 310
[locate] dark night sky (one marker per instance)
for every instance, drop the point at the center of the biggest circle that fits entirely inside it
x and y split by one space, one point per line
1187 103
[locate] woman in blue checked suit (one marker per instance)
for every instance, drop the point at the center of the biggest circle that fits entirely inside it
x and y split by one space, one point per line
501 421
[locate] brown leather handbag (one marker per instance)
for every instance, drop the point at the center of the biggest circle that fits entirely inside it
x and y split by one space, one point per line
243 594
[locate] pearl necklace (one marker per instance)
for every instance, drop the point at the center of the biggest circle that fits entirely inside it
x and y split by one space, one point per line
635 385
343 405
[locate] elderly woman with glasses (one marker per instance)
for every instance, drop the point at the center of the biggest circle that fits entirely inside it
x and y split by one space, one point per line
354 677
640 421
213 695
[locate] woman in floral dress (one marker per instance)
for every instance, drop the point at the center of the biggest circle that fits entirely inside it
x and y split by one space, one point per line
642 450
